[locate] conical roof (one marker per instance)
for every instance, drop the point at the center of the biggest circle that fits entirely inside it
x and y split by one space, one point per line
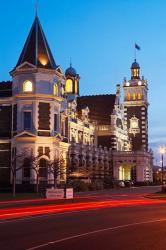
36 49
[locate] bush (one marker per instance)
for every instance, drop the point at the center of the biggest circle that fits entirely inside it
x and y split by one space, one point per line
80 186
110 182
96 185
143 183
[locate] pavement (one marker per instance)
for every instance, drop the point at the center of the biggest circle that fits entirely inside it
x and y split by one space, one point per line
119 219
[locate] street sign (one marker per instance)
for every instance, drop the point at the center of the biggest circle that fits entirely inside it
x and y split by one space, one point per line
55 193
69 193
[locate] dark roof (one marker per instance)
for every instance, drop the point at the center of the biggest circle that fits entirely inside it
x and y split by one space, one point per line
36 49
135 65
100 106
70 71
5 89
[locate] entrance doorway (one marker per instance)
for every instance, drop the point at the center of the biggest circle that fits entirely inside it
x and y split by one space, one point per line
125 172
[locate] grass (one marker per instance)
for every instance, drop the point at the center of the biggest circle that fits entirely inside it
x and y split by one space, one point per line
31 196
157 195
20 196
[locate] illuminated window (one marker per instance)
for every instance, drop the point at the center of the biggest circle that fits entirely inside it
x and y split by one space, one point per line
135 72
62 91
76 87
134 96
128 96
69 86
56 89
27 86
139 96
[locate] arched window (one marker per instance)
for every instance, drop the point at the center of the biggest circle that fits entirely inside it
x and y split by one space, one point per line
43 168
69 86
128 96
62 91
135 72
76 87
139 96
134 96
55 89
27 86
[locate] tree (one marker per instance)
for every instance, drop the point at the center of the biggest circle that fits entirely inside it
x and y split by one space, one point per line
15 166
56 167
34 162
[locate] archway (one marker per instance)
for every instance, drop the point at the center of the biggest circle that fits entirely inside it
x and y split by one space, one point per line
125 172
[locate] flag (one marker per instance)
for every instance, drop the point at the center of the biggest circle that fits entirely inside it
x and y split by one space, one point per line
137 46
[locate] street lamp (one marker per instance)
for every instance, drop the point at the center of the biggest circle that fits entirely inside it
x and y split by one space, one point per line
162 151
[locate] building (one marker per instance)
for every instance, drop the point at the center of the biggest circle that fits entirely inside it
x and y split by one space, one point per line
42 116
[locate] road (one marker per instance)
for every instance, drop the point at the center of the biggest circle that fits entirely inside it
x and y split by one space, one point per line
133 222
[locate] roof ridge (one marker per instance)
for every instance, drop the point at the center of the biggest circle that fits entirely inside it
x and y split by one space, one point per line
97 95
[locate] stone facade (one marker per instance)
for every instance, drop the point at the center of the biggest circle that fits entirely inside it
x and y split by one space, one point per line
43 117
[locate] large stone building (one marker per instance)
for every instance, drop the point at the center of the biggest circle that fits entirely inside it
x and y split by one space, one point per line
43 116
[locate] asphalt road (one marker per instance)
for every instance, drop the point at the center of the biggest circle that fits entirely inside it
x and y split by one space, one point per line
135 226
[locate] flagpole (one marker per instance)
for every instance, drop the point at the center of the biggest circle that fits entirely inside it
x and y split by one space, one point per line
134 52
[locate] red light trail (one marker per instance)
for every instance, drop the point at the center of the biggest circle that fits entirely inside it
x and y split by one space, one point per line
6 213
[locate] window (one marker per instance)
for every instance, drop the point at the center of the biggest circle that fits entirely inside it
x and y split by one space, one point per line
55 122
27 120
40 151
76 87
27 86
62 90
128 96
135 72
43 168
56 89
69 86
27 167
139 96
134 96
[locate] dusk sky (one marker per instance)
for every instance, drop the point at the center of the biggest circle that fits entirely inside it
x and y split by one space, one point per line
99 36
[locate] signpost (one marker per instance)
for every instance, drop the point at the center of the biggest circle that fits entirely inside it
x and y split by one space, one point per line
55 193
69 193
59 193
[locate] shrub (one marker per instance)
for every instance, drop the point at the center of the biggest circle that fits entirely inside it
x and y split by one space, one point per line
80 186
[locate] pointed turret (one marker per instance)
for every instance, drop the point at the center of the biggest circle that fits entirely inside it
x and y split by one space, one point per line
36 49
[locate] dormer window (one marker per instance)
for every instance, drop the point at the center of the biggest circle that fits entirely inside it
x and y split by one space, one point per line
27 86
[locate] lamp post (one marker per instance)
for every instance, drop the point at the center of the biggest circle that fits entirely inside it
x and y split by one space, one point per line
162 151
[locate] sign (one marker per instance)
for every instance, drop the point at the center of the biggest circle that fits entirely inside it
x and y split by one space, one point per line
55 193
69 193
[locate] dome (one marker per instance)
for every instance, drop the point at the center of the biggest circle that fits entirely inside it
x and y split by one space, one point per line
135 65
70 71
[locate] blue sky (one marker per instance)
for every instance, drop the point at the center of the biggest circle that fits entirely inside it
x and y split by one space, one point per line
99 36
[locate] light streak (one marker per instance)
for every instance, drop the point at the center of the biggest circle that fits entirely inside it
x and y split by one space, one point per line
6 213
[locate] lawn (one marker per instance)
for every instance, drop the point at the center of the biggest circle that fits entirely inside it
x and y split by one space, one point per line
20 196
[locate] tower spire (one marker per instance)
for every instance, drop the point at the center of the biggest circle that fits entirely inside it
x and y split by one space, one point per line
70 62
36 49
37 7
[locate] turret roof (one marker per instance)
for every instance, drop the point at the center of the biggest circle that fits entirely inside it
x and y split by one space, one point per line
36 49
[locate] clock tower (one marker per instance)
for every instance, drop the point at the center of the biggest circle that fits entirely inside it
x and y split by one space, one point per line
136 109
